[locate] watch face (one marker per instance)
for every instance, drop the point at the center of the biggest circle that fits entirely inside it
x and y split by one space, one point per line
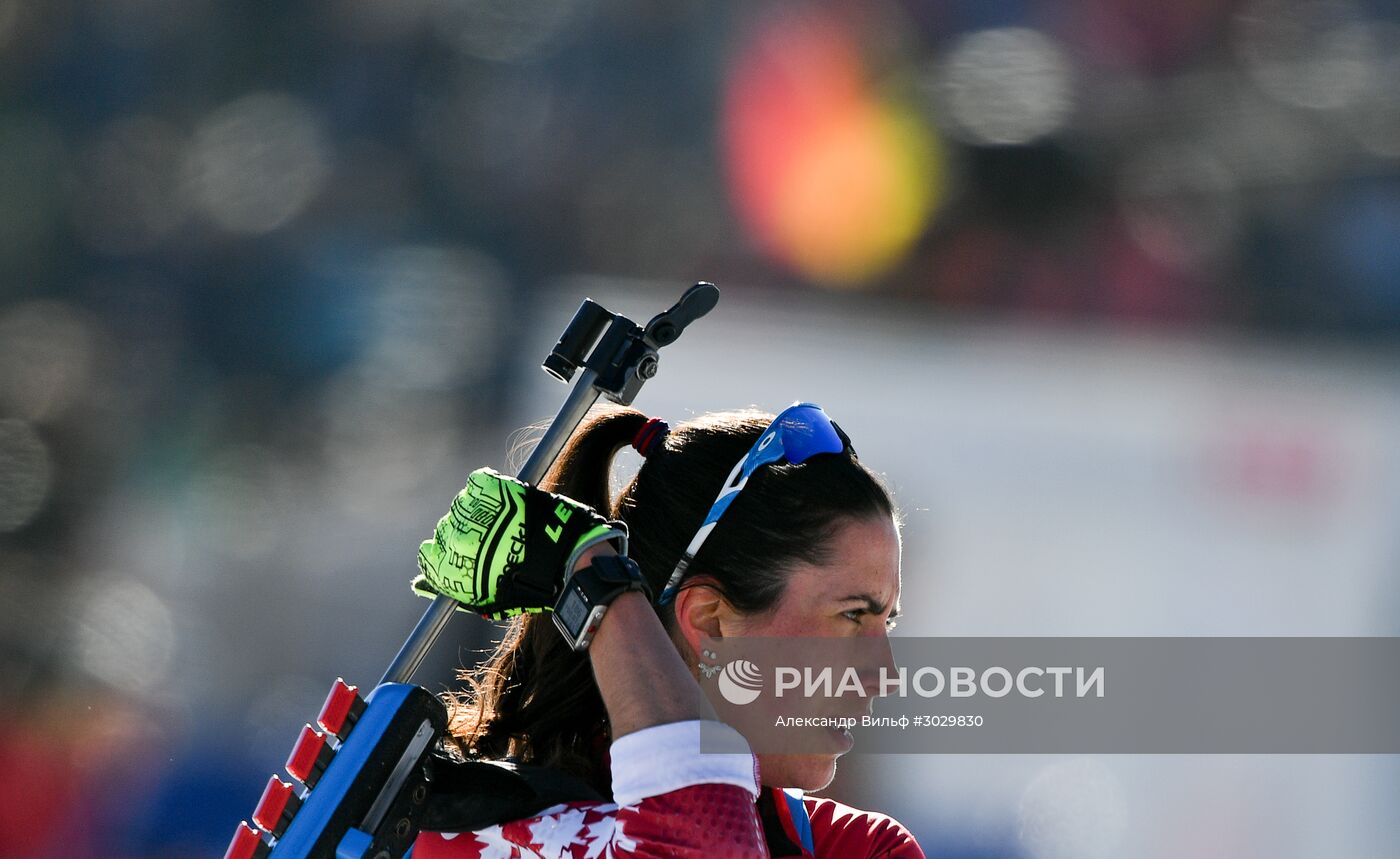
573 611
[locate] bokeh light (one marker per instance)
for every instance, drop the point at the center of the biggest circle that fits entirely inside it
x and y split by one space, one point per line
432 317
46 356
1005 87
123 633
257 162
1312 53
26 472
1181 204
833 178
502 30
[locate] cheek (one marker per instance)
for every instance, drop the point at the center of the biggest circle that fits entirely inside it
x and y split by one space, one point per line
783 625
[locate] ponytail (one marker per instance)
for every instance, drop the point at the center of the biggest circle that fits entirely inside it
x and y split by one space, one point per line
534 699
585 465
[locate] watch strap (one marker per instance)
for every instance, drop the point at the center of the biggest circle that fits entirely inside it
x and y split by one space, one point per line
610 576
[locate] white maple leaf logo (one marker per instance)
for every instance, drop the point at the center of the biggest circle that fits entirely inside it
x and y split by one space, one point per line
556 833
493 845
598 835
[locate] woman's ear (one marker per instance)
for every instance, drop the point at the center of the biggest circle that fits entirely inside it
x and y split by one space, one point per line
700 611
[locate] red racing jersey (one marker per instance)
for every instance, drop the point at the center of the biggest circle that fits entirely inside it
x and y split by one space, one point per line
672 801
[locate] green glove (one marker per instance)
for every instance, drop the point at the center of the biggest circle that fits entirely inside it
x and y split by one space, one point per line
506 547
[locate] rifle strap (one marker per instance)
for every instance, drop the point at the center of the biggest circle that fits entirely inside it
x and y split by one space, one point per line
472 795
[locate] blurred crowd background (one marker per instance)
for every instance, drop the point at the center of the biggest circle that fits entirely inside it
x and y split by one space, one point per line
1110 289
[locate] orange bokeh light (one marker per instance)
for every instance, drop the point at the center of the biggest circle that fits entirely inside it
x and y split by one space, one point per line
831 179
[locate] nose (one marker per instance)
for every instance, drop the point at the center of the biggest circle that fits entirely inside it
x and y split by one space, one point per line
876 662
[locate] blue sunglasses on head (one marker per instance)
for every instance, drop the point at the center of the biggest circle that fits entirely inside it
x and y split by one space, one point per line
796 435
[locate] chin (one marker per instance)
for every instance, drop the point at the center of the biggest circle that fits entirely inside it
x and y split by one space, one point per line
807 772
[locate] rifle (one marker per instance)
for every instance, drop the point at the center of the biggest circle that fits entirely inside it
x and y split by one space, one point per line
365 768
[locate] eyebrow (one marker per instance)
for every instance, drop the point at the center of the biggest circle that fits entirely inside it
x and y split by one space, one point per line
872 605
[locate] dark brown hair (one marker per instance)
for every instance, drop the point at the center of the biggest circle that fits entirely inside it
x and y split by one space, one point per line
535 699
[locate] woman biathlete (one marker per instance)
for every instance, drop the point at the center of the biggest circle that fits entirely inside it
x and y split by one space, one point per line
736 524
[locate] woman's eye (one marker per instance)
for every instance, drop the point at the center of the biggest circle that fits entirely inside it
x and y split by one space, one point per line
857 615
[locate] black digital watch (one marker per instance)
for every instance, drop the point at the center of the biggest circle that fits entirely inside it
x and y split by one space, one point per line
588 592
